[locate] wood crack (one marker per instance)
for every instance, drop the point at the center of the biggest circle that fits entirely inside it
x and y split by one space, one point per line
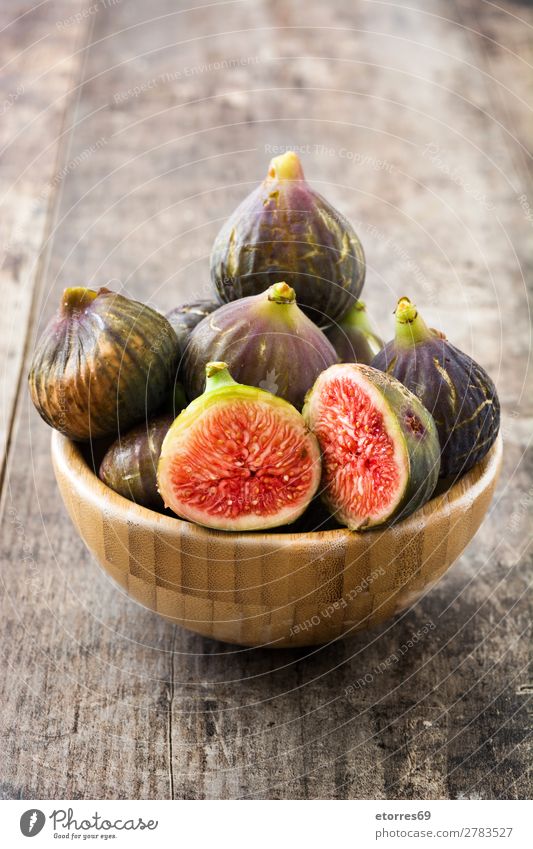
170 703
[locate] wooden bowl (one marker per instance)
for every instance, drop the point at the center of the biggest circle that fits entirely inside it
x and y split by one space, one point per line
271 589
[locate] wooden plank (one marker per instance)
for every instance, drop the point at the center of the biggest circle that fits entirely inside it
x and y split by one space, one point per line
40 61
394 106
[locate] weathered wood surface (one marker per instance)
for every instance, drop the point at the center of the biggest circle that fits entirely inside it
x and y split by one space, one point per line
416 119
39 69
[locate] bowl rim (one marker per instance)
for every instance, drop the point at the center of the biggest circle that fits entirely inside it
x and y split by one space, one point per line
68 458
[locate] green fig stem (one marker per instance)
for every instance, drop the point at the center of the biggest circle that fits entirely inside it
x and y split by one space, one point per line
357 316
411 329
282 293
217 375
286 167
76 298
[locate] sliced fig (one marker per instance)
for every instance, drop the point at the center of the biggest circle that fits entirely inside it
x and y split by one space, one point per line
129 466
266 340
238 458
354 338
286 231
455 389
380 449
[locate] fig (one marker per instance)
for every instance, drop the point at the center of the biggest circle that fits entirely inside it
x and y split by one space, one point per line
266 340
178 398
129 466
353 338
103 363
380 448
285 231
455 389
184 319
238 458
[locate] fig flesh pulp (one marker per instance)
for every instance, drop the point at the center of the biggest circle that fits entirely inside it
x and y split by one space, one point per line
286 231
455 389
353 338
380 449
266 340
129 466
103 363
238 458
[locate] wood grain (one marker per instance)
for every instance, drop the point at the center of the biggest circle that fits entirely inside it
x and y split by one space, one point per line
41 62
414 117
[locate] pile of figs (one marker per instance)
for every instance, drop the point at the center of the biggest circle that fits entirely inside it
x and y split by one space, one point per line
238 412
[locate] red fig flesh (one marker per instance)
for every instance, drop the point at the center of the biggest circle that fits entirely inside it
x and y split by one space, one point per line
238 458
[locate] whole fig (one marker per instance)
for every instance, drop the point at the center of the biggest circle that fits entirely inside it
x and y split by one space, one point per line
456 390
286 231
353 338
184 319
103 363
129 466
266 340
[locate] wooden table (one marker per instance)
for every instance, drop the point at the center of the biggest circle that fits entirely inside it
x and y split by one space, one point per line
129 132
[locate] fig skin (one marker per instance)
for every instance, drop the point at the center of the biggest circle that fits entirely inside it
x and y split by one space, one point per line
266 340
178 400
286 231
407 422
455 389
240 465
354 338
103 363
129 466
184 319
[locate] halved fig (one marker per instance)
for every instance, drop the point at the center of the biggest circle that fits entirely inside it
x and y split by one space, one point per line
380 449
238 458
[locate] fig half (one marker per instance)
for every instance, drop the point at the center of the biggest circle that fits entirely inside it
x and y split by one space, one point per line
266 340
286 231
380 449
238 458
455 389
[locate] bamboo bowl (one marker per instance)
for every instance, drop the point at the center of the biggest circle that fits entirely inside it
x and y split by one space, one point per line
271 589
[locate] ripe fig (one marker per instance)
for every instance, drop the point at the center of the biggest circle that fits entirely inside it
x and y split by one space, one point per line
380 449
455 389
178 398
103 363
129 466
184 319
353 338
238 458
286 231
266 340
